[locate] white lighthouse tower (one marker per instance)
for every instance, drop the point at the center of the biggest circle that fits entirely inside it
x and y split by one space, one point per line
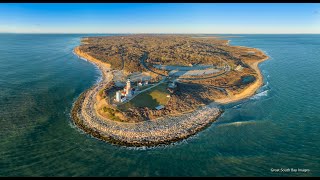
128 88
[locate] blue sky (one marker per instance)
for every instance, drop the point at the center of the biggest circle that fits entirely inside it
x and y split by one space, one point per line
229 18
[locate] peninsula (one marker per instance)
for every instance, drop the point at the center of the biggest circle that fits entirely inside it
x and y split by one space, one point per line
159 89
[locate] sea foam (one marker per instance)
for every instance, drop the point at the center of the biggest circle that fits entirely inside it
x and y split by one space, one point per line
261 94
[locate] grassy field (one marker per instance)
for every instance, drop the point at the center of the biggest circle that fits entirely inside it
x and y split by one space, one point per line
111 113
151 98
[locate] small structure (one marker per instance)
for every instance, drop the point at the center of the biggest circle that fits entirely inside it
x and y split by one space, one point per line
239 68
123 99
171 90
172 85
159 107
118 96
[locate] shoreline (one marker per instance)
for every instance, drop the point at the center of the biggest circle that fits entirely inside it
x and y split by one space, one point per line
165 130
251 89
92 60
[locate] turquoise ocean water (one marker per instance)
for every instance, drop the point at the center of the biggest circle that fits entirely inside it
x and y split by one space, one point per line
279 127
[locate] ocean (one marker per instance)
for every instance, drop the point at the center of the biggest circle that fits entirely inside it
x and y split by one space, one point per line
275 130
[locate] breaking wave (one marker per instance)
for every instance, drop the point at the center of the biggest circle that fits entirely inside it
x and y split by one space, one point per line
261 94
237 123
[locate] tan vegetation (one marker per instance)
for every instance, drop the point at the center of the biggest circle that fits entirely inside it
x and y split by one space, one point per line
130 52
189 108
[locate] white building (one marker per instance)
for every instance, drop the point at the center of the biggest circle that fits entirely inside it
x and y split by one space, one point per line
159 107
118 96
239 68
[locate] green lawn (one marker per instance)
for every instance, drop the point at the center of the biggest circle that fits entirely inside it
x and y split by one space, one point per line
111 113
151 98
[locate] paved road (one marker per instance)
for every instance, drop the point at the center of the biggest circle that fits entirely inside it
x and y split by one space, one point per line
226 69
142 61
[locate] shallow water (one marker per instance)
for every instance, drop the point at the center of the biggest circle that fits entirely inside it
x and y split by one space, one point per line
278 127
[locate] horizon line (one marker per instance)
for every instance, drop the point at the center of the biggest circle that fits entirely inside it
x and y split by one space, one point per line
137 33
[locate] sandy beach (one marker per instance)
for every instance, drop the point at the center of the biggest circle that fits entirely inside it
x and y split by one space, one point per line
90 58
249 91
